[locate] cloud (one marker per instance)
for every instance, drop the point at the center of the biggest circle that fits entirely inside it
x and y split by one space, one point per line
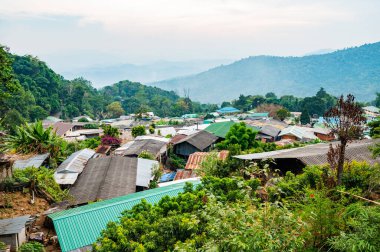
145 16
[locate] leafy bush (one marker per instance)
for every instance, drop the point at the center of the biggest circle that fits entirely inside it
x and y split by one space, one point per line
138 131
32 247
109 140
43 179
90 143
239 134
2 245
108 130
31 138
147 155
83 119
362 231
91 126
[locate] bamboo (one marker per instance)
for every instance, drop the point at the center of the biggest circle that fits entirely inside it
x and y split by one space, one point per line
357 196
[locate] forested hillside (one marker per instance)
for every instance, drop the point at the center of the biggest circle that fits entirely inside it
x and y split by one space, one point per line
30 91
354 70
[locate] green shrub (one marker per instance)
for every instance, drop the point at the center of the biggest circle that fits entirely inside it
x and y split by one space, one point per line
147 155
32 247
138 131
362 231
43 179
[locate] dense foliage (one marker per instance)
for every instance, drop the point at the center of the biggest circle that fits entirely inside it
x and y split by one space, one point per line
299 213
30 91
32 247
239 135
138 131
41 179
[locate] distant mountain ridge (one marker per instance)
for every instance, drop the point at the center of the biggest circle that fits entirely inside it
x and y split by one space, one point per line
353 70
101 76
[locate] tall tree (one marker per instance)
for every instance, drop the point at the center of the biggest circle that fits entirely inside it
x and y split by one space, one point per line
345 120
305 117
114 109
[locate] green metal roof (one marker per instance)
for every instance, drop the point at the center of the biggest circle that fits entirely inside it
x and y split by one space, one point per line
220 129
81 226
263 114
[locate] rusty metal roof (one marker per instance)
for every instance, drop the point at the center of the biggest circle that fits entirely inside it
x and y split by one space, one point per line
195 160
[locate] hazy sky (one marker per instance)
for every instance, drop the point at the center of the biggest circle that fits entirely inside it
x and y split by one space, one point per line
70 33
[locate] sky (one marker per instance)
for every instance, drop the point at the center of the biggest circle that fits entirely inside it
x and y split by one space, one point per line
75 33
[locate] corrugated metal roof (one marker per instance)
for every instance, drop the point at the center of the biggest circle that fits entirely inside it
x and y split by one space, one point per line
81 226
66 178
35 161
220 129
298 132
316 154
168 177
76 161
144 171
195 160
61 128
185 174
228 110
200 140
13 225
153 146
105 178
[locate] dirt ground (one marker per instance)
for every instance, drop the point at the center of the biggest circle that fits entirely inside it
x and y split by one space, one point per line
17 204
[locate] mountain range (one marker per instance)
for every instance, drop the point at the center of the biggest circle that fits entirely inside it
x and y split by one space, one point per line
102 75
353 70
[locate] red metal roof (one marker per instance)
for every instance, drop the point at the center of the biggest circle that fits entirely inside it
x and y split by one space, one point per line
184 174
197 158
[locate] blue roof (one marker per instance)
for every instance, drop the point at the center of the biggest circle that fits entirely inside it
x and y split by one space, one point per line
168 177
228 110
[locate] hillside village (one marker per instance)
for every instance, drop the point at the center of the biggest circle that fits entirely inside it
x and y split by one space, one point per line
189 126
140 156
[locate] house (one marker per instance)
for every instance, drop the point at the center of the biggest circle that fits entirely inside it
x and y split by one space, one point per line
220 129
371 112
264 122
63 128
78 228
200 141
296 133
258 116
228 110
110 177
34 161
165 131
190 116
316 154
67 173
268 133
154 145
323 134
13 231
49 121
6 164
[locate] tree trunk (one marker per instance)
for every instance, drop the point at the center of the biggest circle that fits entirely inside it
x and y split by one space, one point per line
341 159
